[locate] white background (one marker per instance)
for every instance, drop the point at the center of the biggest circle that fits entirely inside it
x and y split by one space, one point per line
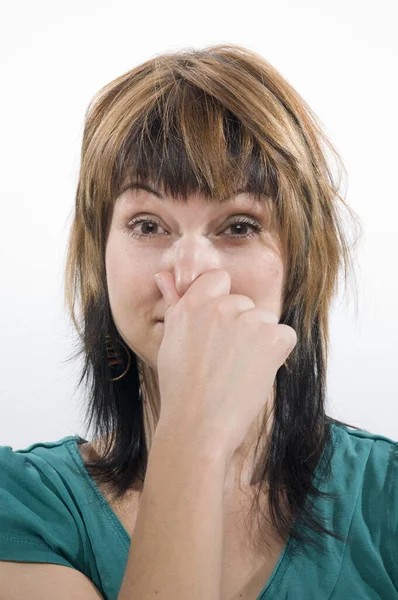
341 56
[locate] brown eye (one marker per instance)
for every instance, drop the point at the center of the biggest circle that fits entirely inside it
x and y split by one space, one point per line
244 223
147 229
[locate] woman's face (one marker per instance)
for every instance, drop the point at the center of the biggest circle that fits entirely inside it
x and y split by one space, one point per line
186 240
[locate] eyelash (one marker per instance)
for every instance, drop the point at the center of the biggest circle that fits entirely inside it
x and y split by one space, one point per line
256 227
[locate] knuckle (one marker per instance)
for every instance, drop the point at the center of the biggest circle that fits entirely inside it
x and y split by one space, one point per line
265 323
222 306
289 337
249 317
261 317
226 305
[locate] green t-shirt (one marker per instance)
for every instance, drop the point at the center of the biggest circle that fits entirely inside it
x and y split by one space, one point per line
51 511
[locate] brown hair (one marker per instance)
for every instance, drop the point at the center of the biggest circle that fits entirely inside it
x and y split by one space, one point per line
213 121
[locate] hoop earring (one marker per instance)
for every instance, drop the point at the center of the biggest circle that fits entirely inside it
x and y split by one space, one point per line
114 358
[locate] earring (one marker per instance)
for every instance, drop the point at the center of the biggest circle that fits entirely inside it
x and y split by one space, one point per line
114 358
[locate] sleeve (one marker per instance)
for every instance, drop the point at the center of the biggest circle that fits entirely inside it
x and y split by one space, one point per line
36 523
392 513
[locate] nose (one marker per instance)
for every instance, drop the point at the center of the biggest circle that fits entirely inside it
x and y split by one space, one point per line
190 257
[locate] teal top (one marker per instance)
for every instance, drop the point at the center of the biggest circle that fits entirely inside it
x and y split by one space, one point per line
51 511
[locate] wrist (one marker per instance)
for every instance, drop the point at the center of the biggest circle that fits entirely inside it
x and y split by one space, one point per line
189 442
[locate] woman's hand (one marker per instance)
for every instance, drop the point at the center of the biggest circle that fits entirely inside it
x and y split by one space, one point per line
217 361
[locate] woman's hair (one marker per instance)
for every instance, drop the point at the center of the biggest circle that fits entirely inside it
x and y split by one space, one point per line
213 121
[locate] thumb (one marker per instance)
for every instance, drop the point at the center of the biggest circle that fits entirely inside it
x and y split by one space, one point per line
166 284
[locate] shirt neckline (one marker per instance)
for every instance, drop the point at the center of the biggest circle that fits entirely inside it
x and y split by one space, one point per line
281 568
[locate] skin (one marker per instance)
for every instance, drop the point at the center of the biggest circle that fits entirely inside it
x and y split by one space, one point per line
188 240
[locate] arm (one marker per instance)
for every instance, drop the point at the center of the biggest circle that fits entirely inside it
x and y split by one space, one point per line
176 550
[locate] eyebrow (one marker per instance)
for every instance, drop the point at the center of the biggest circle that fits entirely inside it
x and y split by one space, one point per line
151 190
141 186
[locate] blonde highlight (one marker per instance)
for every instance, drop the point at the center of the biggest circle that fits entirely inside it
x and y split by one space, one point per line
212 121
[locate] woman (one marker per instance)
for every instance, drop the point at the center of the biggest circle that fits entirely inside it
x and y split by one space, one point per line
214 471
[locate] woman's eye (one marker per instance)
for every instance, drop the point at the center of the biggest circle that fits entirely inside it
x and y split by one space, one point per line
147 231
148 228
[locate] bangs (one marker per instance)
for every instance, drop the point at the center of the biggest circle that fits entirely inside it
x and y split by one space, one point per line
214 123
188 143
